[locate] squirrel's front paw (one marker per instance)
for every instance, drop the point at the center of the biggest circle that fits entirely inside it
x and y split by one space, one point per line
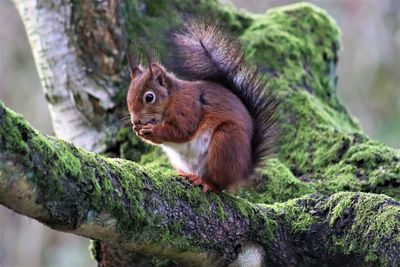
148 132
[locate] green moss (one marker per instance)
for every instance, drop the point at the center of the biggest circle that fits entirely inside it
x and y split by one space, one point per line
151 19
125 144
375 224
243 206
148 19
370 154
64 166
10 131
122 189
57 151
265 223
221 214
157 160
341 178
297 44
321 148
296 213
176 188
338 204
277 184
297 47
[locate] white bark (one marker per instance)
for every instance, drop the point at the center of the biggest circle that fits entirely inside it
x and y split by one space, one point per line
67 86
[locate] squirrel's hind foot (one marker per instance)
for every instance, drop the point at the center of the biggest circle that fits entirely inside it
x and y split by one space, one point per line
197 180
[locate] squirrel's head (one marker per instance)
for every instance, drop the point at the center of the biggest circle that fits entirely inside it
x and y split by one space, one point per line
148 94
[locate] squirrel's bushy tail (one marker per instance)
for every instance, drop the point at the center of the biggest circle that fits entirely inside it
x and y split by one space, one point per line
205 52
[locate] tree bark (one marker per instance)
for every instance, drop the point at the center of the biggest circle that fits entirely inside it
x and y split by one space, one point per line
79 48
140 210
78 103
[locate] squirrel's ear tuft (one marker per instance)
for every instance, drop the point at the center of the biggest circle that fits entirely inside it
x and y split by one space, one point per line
158 73
134 65
135 72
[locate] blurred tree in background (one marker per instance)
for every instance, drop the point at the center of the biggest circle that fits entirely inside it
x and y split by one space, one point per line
369 85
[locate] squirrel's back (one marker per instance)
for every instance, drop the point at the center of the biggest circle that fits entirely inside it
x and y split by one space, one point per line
205 52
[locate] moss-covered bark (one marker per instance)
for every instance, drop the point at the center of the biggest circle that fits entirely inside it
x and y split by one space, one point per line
322 148
136 210
146 211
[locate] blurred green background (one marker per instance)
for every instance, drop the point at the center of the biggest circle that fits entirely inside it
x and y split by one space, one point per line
369 85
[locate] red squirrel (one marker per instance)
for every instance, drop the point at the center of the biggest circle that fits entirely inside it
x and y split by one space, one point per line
217 124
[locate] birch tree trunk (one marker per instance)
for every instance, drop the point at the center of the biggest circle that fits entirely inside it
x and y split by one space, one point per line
330 196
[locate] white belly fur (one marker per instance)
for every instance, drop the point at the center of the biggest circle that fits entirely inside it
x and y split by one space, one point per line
190 157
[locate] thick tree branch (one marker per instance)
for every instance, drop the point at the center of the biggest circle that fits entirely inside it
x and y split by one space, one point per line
120 202
79 57
323 149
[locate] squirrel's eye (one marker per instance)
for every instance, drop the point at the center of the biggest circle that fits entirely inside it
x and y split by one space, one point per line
149 97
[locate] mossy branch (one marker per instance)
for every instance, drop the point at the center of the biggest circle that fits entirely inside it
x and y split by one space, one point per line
145 211
132 207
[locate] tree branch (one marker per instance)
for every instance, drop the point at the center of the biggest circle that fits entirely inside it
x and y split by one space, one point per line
131 207
140 210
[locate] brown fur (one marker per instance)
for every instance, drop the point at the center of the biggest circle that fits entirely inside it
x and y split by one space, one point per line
183 109
218 127
200 50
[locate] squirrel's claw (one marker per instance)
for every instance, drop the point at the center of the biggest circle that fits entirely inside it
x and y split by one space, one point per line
197 180
208 187
147 132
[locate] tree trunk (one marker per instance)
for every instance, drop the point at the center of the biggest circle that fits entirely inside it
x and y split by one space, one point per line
79 48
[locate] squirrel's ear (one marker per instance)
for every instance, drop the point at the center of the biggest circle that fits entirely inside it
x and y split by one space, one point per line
135 72
134 66
158 73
